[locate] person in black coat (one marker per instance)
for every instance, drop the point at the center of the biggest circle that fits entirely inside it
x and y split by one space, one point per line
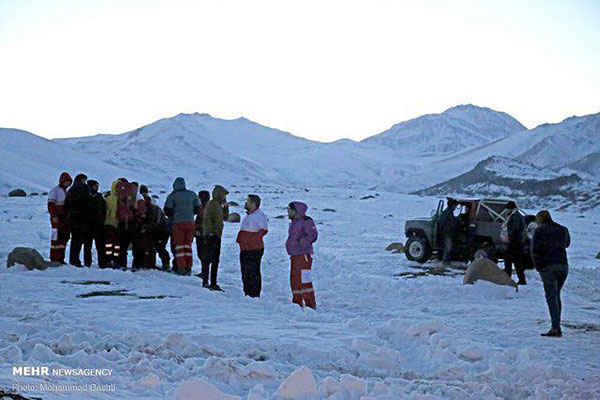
549 255
97 214
515 226
204 196
447 227
146 252
77 203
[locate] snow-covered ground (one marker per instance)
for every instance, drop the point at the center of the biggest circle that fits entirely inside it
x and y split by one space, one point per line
375 334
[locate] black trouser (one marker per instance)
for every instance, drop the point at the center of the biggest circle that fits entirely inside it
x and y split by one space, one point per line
126 237
95 236
514 256
142 248
213 255
554 277
78 238
160 244
202 255
448 248
250 265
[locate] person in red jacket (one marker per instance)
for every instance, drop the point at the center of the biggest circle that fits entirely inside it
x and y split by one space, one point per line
58 218
250 238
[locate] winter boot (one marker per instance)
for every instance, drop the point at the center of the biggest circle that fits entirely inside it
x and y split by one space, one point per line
552 333
215 288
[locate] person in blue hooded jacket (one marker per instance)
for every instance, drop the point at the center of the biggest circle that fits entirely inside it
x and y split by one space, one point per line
181 207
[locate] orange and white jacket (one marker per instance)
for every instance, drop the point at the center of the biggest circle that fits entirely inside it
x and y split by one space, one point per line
254 227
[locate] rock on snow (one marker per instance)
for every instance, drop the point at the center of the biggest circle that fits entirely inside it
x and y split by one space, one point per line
299 385
199 389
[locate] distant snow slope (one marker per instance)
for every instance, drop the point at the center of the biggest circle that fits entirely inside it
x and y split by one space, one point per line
563 147
589 164
530 185
564 143
33 163
455 129
549 145
210 149
196 146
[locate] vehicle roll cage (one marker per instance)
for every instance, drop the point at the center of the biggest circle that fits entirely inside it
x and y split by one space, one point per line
486 205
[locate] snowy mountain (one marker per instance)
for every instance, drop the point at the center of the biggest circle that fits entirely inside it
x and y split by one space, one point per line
530 185
589 164
460 127
549 145
33 163
566 147
197 146
567 142
206 150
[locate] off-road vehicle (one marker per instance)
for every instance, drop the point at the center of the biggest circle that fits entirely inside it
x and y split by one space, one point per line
479 234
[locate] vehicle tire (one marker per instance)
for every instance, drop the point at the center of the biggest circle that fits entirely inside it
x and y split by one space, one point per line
418 249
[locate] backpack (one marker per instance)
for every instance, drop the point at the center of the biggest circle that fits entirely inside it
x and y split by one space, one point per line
126 203
504 237
307 218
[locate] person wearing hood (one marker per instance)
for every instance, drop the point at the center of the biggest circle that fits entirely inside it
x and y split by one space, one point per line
217 211
549 255
58 218
299 245
250 238
112 246
204 197
77 205
181 207
144 191
97 214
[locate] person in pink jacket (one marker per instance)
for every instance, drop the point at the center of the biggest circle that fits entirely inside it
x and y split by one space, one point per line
301 236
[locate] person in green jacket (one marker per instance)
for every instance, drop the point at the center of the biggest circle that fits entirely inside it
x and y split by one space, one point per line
112 247
217 211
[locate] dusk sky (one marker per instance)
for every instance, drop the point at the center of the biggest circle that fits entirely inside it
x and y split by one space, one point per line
318 69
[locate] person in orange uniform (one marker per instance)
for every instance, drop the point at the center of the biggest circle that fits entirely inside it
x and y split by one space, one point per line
58 218
250 238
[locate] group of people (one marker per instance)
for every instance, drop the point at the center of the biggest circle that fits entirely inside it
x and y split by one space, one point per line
545 251
513 234
127 217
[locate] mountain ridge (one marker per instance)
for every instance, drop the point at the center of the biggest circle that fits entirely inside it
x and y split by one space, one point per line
207 150
458 127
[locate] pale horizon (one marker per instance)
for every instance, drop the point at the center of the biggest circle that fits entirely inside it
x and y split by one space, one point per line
320 70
